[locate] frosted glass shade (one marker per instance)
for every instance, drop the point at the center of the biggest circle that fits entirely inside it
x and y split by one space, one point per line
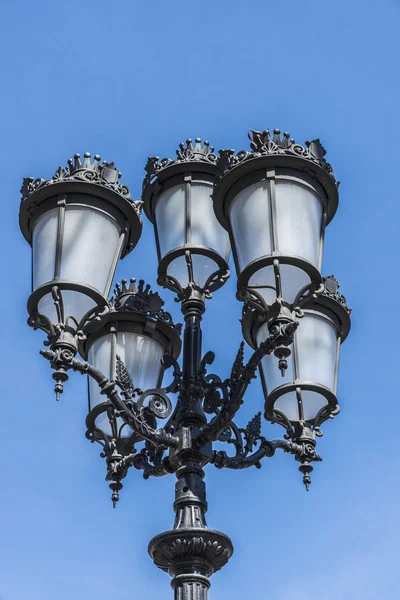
250 217
44 241
142 358
273 219
89 246
313 360
293 279
171 219
186 221
76 304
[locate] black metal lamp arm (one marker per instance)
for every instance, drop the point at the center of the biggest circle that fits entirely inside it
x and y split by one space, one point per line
240 379
160 466
159 437
222 460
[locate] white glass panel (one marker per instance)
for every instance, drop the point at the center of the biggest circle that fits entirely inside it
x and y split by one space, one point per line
203 267
250 222
316 343
89 245
293 280
264 283
46 307
171 219
76 305
44 247
312 404
288 405
298 221
99 356
205 229
178 269
272 374
142 358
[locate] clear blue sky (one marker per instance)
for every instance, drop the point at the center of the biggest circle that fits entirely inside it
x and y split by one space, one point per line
131 78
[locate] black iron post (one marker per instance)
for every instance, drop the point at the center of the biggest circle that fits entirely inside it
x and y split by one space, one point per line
191 552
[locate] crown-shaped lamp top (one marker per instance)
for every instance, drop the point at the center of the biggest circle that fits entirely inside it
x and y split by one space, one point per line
129 297
331 290
264 143
260 140
94 177
101 173
191 152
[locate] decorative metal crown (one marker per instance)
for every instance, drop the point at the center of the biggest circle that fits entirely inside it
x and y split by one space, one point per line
105 174
332 291
262 143
190 153
140 298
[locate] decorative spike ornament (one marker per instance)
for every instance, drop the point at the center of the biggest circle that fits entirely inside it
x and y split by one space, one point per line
306 468
115 487
194 152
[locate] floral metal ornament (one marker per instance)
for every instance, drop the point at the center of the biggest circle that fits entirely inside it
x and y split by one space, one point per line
331 290
101 173
189 153
263 143
140 298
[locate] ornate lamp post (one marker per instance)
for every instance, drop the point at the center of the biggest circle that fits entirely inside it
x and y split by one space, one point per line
271 205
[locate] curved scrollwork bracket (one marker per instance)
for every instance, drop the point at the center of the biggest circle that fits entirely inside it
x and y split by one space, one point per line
276 416
216 391
222 461
308 292
241 377
168 281
109 388
244 440
152 462
160 404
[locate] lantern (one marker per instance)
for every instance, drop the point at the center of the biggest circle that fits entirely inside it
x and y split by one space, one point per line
79 224
275 201
193 248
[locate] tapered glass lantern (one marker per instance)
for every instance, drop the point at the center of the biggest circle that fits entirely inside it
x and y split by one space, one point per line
306 390
129 349
79 224
275 201
193 248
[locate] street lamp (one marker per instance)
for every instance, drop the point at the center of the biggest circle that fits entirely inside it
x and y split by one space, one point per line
305 395
271 205
135 343
193 249
79 224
